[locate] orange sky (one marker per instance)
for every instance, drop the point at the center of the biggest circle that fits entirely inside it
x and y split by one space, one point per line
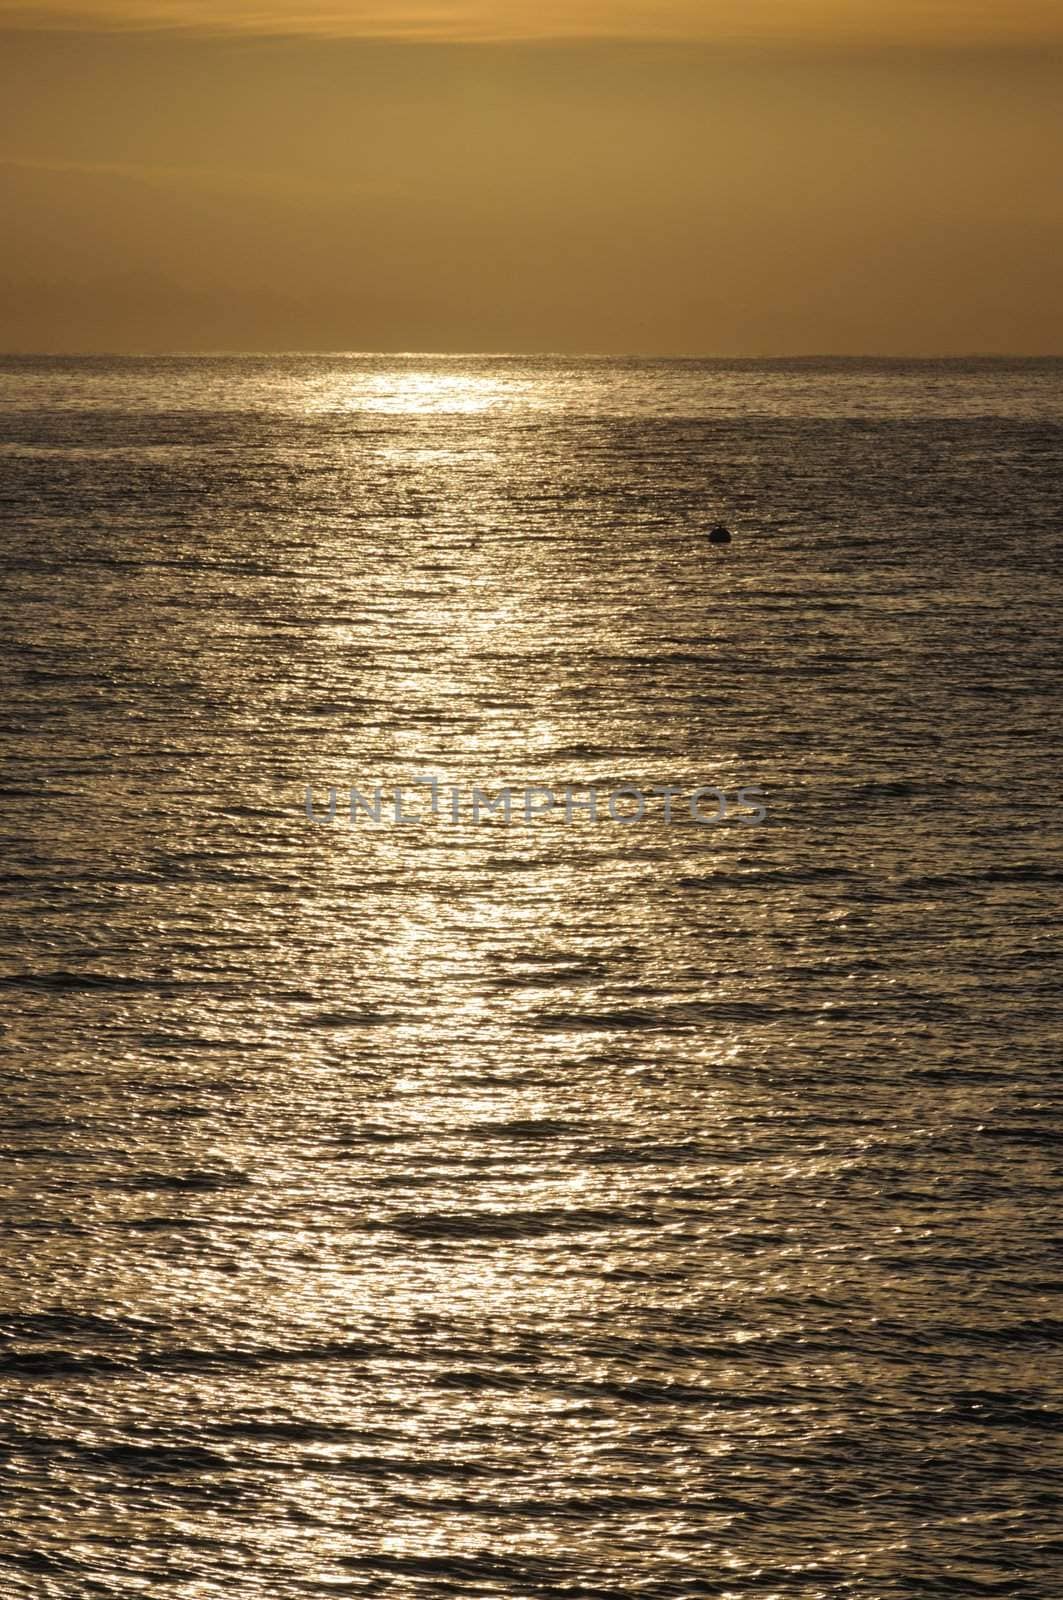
775 176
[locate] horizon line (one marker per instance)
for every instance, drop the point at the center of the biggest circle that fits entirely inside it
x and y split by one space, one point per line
522 355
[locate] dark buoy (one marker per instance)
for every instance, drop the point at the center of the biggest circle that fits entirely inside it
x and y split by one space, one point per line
720 535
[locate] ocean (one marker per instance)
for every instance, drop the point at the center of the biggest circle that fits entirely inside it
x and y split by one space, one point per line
659 1202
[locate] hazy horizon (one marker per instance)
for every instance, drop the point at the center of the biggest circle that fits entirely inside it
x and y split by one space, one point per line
752 358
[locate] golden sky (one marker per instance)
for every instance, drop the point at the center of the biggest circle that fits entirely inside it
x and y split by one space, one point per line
763 177
953 21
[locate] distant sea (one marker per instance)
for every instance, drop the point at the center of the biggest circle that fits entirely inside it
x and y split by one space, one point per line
595 1209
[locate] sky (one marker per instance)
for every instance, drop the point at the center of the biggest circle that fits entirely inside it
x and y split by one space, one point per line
682 177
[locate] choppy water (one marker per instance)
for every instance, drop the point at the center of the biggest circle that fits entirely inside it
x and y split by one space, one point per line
562 1209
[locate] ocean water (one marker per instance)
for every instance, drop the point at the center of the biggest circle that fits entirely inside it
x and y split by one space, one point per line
582 1207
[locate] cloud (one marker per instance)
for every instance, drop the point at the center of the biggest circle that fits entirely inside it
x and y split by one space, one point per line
243 181
840 22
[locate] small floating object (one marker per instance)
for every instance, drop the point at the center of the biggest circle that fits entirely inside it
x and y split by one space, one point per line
720 534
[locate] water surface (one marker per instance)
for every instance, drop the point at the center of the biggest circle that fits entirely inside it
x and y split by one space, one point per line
628 1210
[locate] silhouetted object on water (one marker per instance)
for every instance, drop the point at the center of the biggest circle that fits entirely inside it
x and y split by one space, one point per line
720 535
